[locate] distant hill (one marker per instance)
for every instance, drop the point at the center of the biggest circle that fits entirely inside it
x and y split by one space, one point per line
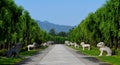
47 26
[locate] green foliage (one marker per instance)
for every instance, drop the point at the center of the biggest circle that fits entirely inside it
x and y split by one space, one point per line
52 32
59 39
93 52
9 61
22 54
102 25
114 60
63 34
3 52
24 51
27 53
17 26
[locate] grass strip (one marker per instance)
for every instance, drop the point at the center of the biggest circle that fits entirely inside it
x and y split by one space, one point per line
114 59
22 54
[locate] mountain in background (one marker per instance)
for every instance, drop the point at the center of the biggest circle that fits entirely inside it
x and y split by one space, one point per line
47 26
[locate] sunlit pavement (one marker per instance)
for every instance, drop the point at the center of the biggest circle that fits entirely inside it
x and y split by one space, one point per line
61 55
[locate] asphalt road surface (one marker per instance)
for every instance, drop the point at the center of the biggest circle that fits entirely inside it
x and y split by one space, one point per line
61 55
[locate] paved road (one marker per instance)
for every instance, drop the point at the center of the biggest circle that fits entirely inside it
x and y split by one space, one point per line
61 55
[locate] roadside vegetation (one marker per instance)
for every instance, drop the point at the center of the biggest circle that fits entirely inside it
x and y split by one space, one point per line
103 25
114 59
17 26
13 60
100 26
22 56
59 38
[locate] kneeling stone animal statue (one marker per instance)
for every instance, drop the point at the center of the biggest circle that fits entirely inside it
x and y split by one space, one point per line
104 48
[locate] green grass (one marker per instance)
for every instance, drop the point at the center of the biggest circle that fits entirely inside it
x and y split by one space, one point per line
27 53
22 54
114 59
9 61
92 52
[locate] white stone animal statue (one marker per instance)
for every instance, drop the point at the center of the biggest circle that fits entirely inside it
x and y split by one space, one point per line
31 46
67 43
85 45
103 48
71 44
50 43
44 44
76 45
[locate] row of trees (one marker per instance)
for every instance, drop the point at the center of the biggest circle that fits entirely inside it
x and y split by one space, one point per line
16 25
102 25
58 38
62 34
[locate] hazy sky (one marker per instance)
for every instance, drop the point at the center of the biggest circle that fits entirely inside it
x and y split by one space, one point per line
63 12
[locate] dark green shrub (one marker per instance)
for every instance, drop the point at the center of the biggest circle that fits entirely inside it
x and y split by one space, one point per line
3 52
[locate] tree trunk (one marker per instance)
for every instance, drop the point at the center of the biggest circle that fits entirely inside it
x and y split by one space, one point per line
111 40
0 46
116 43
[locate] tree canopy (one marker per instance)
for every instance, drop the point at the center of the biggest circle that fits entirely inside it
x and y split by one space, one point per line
102 25
16 25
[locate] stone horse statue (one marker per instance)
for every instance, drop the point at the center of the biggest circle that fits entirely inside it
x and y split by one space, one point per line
14 50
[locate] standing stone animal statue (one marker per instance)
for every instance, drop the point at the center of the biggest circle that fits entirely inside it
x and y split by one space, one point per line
31 46
85 45
71 44
103 48
67 43
44 44
76 45
50 42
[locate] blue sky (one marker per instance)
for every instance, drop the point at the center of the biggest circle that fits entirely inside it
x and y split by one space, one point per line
63 12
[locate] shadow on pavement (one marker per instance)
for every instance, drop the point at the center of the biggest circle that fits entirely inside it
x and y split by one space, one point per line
28 59
92 59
